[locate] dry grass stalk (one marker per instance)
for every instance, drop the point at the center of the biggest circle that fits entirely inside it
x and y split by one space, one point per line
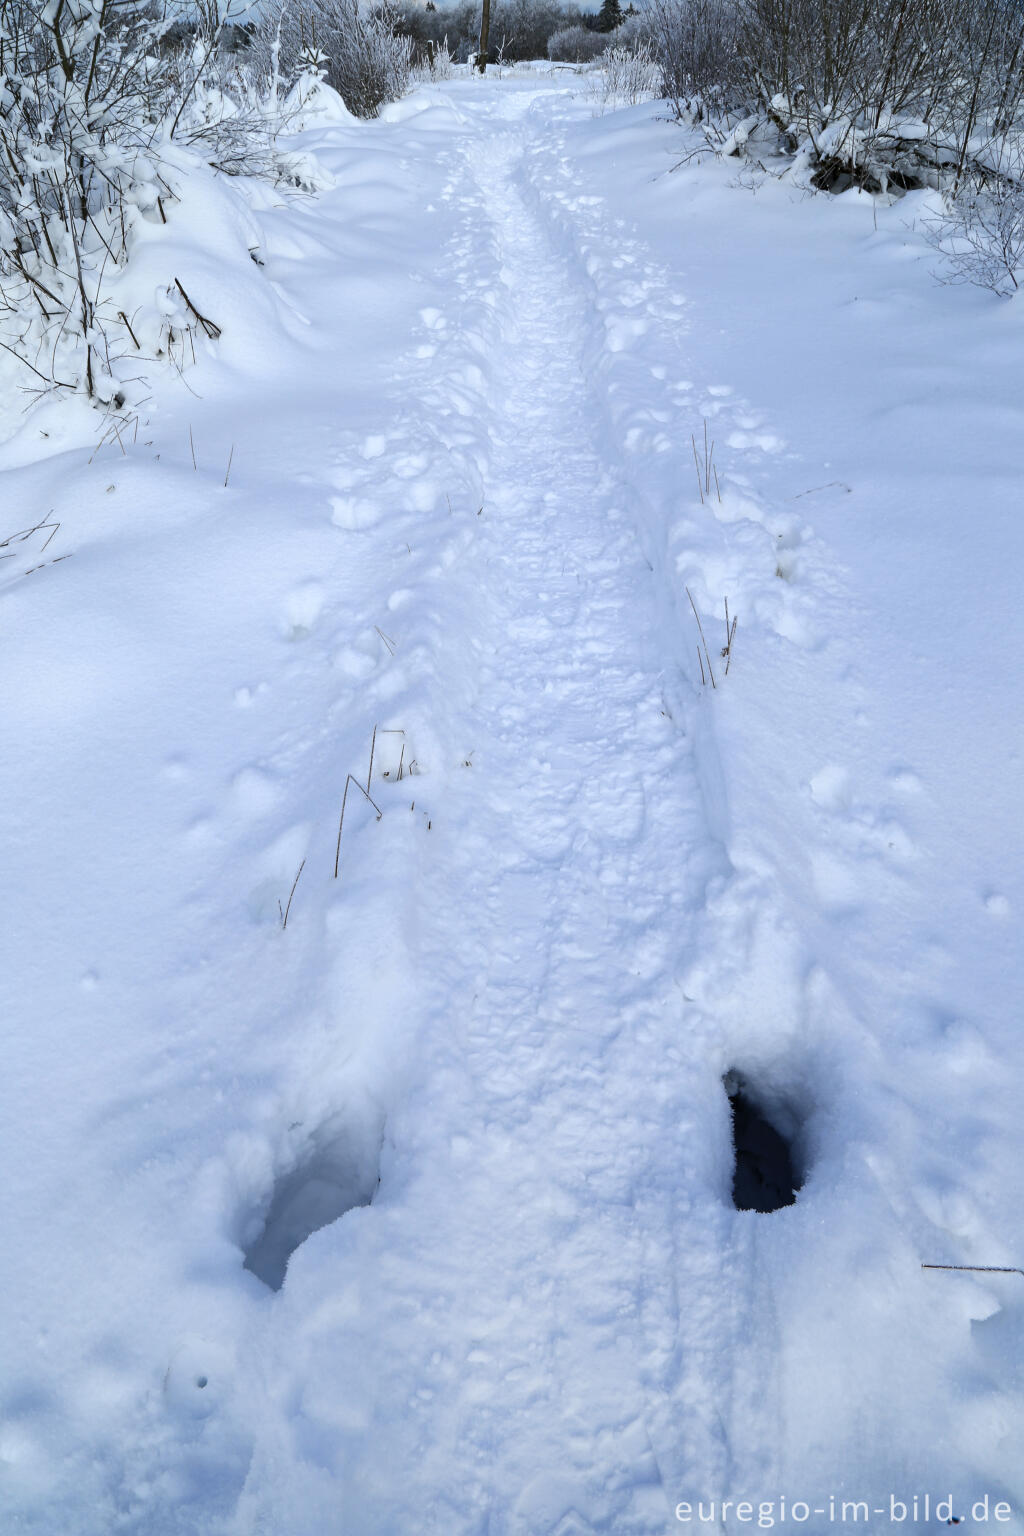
351 779
284 914
730 635
707 653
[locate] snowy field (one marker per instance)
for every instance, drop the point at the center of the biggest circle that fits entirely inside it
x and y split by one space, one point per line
414 1217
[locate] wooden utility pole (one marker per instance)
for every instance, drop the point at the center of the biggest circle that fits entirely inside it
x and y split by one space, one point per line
485 28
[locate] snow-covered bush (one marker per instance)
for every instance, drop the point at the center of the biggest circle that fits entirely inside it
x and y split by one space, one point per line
576 45
896 92
433 62
901 90
83 92
101 103
981 236
366 60
627 76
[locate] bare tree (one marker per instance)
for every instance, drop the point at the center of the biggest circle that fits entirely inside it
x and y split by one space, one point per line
485 35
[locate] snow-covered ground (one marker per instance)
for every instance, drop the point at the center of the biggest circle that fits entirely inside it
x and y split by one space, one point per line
459 401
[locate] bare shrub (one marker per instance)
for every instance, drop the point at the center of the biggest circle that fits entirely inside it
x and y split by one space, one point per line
876 92
631 32
627 76
891 87
981 237
695 42
523 27
576 45
365 58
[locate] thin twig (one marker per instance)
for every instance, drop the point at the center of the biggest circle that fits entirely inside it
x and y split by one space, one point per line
983 1269
827 487
228 471
192 445
128 328
386 638
209 326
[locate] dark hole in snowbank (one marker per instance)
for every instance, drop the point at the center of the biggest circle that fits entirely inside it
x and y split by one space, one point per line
765 1177
335 1178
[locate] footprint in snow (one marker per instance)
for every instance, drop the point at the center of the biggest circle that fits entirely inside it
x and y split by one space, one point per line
302 608
356 663
335 1170
253 793
862 828
355 513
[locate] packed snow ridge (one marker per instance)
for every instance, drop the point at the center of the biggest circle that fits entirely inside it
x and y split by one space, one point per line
553 1145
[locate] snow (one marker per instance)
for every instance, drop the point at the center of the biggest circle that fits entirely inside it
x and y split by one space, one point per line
414 1215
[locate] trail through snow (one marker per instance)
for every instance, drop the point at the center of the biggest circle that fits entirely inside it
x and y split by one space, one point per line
465 1117
555 911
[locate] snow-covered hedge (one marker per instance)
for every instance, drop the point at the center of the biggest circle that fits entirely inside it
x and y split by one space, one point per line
898 91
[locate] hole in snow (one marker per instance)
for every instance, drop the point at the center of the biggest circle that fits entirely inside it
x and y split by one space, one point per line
765 1176
338 1173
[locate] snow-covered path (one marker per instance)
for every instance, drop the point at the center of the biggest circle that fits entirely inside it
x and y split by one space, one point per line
562 895
472 1095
